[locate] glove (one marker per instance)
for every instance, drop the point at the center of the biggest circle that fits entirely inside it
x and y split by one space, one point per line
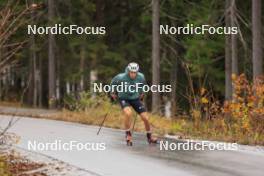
141 97
113 97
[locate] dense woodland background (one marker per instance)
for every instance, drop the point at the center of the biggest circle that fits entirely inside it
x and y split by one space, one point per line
48 70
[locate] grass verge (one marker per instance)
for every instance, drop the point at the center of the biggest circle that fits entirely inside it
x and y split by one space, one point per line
215 129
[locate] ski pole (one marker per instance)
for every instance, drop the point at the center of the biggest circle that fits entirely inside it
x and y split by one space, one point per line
102 123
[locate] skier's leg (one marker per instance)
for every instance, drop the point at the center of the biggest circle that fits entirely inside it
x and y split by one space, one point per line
140 109
144 117
128 114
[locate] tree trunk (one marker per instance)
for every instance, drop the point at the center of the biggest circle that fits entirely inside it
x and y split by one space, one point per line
34 73
82 65
99 12
58 93
35 94
51 65
40 83
234 39
174 78
257 45
93 79
228 61
32 92
155 55
68 87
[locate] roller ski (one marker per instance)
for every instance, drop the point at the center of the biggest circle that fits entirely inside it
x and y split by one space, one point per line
151 139
129 138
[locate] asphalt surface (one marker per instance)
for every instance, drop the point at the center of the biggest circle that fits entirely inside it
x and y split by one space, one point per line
141 159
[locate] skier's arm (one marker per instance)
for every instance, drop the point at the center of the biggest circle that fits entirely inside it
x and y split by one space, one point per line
114 81
141 93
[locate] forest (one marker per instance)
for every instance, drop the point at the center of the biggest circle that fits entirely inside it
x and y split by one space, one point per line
215 78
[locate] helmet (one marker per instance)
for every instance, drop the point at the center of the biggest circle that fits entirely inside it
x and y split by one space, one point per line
133 67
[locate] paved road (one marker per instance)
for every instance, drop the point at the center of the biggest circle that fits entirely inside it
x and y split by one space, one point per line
141 159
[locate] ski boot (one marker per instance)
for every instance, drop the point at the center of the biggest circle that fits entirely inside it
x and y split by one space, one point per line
128 138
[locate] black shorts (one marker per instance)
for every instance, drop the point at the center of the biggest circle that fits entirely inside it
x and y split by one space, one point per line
136 104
